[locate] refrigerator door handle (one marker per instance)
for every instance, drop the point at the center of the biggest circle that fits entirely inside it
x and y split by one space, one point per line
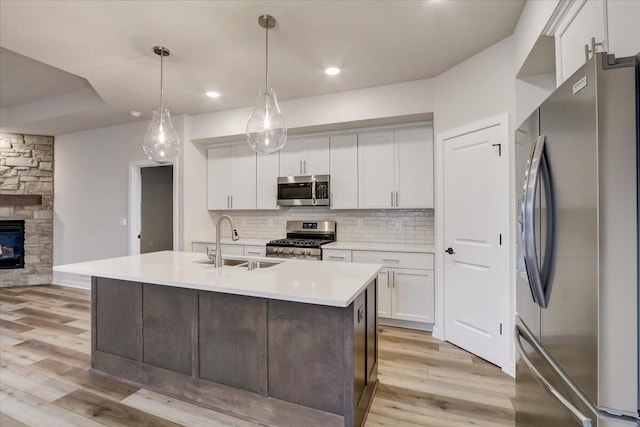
540 280
582 419
521 330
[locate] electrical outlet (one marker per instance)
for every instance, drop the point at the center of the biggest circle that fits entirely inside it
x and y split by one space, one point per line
122 222
398 223
360 222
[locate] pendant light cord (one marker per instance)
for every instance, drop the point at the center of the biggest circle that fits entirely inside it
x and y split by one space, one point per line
161 79
266 59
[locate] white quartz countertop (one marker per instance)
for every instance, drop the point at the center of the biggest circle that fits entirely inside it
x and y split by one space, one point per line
376 246
315 282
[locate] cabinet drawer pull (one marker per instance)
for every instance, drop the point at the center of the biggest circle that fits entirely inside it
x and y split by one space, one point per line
390 260
336 257
253 252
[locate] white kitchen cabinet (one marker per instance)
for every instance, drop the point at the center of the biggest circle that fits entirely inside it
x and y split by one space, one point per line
413 295
267 170
376 187
231 174
339 255
582 21
250 250
405 284
384 293
344 171
305 156
623 28
227 249
414 167
395 168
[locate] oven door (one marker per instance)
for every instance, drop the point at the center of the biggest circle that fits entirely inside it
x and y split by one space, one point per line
310 190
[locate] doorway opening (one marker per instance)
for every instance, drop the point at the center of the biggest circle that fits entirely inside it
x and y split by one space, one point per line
152 208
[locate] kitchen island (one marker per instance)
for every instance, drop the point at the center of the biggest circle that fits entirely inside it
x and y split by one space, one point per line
291 344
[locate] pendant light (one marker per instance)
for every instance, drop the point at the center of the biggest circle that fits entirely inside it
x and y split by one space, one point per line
161 143
266 132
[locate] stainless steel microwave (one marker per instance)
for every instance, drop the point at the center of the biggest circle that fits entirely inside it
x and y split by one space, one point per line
307 190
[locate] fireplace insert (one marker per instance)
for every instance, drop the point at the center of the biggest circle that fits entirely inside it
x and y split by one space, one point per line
11 244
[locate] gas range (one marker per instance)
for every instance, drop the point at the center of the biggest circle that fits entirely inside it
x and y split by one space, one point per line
304 240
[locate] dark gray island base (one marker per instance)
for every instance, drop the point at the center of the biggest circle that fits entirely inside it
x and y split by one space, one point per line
269 361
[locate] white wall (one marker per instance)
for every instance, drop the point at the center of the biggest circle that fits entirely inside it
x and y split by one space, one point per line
480 87
91 185
401 99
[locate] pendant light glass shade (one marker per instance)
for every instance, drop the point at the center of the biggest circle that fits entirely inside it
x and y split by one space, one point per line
266 132
161 142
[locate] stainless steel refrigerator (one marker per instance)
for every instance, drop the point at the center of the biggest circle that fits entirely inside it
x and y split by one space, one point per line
577 301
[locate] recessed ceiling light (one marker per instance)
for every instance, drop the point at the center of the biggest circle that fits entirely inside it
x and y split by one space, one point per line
135 113
213 94
332 71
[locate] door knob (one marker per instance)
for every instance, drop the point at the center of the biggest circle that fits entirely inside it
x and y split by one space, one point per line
450 251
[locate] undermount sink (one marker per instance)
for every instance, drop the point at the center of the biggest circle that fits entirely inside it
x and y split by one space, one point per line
242 263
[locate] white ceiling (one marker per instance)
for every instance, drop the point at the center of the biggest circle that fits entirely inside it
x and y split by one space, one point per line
218 45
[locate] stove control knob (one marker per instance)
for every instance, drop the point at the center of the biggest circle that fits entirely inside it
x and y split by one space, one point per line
279 250
307 252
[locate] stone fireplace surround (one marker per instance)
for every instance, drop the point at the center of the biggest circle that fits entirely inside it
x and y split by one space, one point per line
26 192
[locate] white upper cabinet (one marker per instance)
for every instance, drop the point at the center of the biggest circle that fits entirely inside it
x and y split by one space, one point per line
218 177
344 171
305 156
582 20
395 168
623 28
376 187
268 168
414 167
231 174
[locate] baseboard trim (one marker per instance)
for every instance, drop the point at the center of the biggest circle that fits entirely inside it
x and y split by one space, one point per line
72 280
421 326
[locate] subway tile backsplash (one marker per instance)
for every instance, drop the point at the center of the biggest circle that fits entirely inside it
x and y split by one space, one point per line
387 226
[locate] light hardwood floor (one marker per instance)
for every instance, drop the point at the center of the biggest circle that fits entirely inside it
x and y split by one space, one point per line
44 378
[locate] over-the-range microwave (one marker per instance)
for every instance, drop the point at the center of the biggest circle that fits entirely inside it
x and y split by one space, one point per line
306 190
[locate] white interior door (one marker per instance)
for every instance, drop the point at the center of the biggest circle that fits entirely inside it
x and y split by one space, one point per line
476 220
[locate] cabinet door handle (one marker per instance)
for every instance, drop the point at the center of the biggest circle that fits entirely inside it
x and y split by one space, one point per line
336 257
304 163
228 203
231 198
390 260
392 199
301 172
253 252
394 279
397 204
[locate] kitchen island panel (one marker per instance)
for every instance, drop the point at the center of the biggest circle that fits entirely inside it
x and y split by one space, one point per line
233 340
169 322
306 355
119 308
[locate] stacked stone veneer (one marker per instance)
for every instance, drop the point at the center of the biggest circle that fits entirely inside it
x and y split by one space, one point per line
26 167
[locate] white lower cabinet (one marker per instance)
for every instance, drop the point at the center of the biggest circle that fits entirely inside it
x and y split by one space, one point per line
339 255
255 251
412 295
405 284
384 292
